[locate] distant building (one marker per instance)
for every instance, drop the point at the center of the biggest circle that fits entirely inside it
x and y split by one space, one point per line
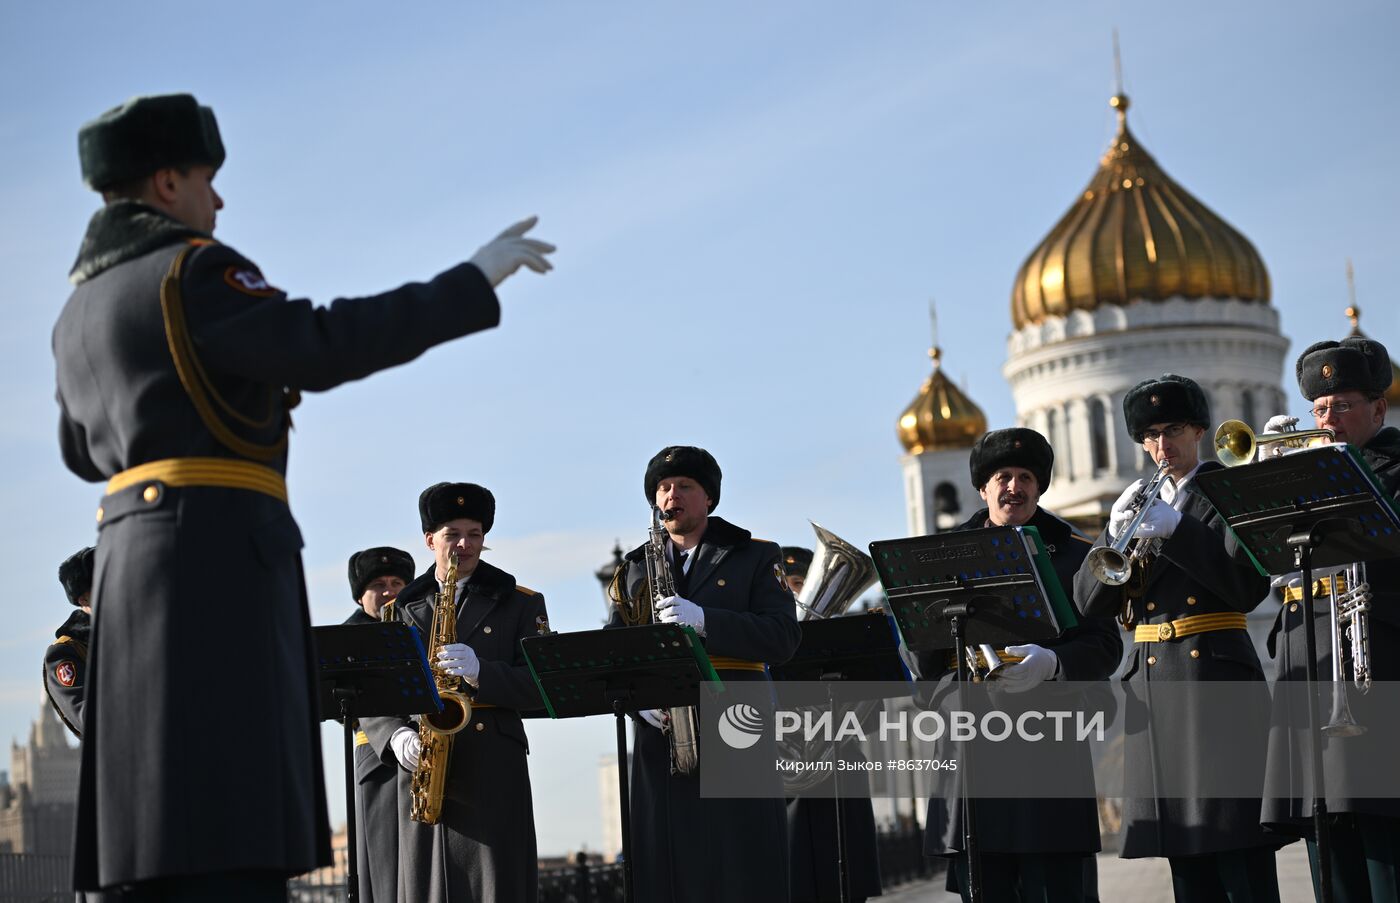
39 799
608 812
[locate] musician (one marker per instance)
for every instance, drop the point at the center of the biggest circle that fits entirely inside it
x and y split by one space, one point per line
811 817
483 848
731 589
1346 383
1197 581
177 365
377 576
65 661
1030 849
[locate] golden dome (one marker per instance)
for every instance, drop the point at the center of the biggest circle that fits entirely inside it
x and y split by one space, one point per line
1392 395
941 416
1134 234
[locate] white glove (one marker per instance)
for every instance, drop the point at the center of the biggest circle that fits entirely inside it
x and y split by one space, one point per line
459 660
1038 666
1280 423
406 747
653 717
675 610
1160 522
511 250
1120 515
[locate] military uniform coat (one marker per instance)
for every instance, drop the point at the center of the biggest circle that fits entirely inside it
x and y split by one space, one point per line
685 848
1090 651
165 789
376 813
1199 570
1288 749
65 669
483 848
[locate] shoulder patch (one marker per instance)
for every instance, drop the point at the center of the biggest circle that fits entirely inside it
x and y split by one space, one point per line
66 673
248 281
526 590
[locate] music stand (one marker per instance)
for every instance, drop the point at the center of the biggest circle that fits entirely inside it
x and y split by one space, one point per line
855 648
1319 507
367 670
950 590
616 671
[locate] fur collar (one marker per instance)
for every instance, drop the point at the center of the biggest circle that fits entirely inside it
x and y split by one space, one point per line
123 231
78 626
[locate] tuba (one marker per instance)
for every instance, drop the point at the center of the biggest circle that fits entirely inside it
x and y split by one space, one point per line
436 729
838 575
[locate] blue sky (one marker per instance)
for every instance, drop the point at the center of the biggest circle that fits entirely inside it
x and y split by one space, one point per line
754 204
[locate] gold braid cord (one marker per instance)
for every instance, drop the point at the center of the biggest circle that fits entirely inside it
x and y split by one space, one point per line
197 383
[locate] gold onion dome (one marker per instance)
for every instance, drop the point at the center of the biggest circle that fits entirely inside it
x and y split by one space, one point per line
1134 234
1392 395
941 416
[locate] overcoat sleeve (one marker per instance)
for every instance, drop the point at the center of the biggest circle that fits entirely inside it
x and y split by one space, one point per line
244 327
65 680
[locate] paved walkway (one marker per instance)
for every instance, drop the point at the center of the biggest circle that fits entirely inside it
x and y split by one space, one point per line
1135 881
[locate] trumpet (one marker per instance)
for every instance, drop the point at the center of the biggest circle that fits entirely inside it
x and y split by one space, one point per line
1236 443
1113 564
1350 612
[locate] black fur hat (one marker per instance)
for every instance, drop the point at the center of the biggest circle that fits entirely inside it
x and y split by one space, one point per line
442 502
76 573
1166 399
683 461
796 561
1015 447
380 561
1327 368
146 134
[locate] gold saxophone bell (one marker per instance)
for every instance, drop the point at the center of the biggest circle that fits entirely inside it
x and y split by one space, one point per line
1236 443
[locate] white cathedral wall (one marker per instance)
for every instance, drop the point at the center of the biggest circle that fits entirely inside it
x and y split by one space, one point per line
923 472
1067 367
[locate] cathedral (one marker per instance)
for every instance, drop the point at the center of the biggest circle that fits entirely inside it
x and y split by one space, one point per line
1137 279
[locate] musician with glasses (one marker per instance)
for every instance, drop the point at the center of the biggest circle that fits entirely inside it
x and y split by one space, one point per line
1184 608
1030 849
377 576
483 846
1346 382
730 588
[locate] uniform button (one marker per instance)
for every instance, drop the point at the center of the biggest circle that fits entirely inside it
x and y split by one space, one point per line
1190 600
1195 653
721 581
1292 606
1151 606
100 512
481 726
486 629
1152 659
151 494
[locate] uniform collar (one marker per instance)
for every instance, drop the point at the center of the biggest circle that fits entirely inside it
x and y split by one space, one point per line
123 231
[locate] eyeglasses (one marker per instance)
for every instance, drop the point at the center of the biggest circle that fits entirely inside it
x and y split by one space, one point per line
1152 437
1338 407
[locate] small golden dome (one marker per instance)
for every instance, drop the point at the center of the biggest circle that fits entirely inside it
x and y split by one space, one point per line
1392 395
941 416
1134 234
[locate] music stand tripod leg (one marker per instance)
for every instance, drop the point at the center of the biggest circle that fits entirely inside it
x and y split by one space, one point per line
624 802
352 872
955 614
1303 546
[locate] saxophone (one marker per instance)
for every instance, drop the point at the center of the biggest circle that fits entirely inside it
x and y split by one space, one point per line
435 729
682 723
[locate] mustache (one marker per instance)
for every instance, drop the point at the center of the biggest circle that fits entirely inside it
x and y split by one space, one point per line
1008 497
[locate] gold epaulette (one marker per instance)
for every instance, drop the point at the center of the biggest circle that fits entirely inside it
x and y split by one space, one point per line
526 590
1084 539
77 646
361 739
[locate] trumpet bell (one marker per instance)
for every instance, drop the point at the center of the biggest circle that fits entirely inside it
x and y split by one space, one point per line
1234 443
1109 566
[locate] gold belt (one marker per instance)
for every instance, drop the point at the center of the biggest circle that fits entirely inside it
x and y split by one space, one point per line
982 659
1321 588
1171 630
229 473
724 663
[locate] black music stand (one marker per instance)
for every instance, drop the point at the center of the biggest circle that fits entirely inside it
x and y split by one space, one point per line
616 671
1318 507
366 670
836 651
950 590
